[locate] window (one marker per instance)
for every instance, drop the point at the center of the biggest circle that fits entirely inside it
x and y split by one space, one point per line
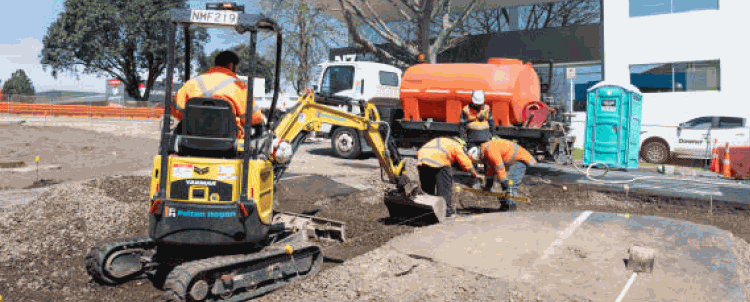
700 123
388 78
337 79
640 8
679 76
726 122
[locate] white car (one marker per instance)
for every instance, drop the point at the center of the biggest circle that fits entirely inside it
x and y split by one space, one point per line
692 139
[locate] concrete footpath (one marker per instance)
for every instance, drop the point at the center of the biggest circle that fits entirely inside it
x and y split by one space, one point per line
701 186
566 256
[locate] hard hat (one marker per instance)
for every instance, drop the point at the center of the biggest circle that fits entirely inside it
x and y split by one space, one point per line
477 97
474 153
282 151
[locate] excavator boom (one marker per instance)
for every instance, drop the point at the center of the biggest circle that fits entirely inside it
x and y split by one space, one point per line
308 116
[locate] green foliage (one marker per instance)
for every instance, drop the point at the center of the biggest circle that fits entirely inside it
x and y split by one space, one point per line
264 68
118 38
18 84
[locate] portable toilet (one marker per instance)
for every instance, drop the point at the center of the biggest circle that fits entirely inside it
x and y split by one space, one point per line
613 125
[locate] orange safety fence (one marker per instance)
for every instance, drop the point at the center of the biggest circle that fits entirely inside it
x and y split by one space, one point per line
81 111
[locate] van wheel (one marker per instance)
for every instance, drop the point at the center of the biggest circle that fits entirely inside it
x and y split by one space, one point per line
655 152
345 143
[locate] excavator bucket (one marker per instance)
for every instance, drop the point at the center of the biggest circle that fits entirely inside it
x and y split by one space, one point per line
315 227
419 208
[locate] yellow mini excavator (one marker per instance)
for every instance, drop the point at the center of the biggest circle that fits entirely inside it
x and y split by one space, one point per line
212 225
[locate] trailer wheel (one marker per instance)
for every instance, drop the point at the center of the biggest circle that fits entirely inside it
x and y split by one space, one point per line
345 143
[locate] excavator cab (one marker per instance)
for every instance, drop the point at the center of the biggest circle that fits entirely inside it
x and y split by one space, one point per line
211 214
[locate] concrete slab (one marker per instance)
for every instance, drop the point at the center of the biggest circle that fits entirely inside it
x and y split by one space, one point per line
582 255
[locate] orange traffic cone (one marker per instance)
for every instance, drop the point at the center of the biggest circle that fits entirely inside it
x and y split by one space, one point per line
725 164
715 159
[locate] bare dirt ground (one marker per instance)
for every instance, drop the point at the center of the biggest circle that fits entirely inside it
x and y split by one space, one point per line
43 243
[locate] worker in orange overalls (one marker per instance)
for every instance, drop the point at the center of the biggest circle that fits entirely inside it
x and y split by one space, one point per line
434 163
219 82
476 120
505 160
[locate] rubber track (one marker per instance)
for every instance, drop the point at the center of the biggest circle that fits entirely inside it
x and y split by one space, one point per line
178 280
98 255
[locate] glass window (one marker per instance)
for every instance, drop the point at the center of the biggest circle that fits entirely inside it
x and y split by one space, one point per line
640 8
698 123
678 76
726 122
337 79
388 78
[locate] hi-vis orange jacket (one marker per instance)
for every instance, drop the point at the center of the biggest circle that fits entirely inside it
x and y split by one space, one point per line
441 152
499 153
477 119
222 83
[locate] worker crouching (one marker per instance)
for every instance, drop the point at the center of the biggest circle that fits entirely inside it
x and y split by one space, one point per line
434 163
476 120
506 161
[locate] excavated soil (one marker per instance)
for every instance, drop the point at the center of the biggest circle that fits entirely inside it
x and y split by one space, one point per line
43 244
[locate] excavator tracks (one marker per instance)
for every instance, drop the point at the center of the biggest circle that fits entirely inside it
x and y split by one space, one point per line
241 277
116 262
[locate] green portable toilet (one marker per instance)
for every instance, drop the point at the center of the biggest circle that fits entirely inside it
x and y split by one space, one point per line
613 125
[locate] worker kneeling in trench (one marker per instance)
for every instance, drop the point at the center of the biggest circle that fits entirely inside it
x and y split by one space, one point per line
505 160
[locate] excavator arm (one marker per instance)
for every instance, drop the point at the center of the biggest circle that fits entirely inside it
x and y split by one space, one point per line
308 116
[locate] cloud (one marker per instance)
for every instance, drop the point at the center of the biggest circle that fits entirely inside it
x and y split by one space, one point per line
25 55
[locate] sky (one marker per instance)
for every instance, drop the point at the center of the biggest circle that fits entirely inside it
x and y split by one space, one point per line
21 45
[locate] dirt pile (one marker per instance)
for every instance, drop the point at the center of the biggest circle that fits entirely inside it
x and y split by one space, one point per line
43 243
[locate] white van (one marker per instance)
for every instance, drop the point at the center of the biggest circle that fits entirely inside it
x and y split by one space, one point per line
692 139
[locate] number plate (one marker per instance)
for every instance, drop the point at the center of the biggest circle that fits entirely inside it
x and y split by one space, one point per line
214 17
325 128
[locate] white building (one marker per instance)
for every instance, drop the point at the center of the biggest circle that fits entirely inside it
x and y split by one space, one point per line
699 43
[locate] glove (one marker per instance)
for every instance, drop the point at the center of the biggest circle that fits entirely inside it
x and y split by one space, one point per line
507 186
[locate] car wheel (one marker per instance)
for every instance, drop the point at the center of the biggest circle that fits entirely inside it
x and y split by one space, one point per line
345 143
655 152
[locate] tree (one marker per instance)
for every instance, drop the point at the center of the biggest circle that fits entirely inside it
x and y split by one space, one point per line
18 84
432 20
309 34
263 68
119 38
534 16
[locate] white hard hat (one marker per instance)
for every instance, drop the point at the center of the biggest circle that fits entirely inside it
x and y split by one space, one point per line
282 151
474 153
477 97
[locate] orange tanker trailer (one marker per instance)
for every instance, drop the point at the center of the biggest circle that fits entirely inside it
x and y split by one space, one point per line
439 91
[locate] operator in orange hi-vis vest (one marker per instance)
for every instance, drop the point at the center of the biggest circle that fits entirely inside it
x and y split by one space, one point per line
219 82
